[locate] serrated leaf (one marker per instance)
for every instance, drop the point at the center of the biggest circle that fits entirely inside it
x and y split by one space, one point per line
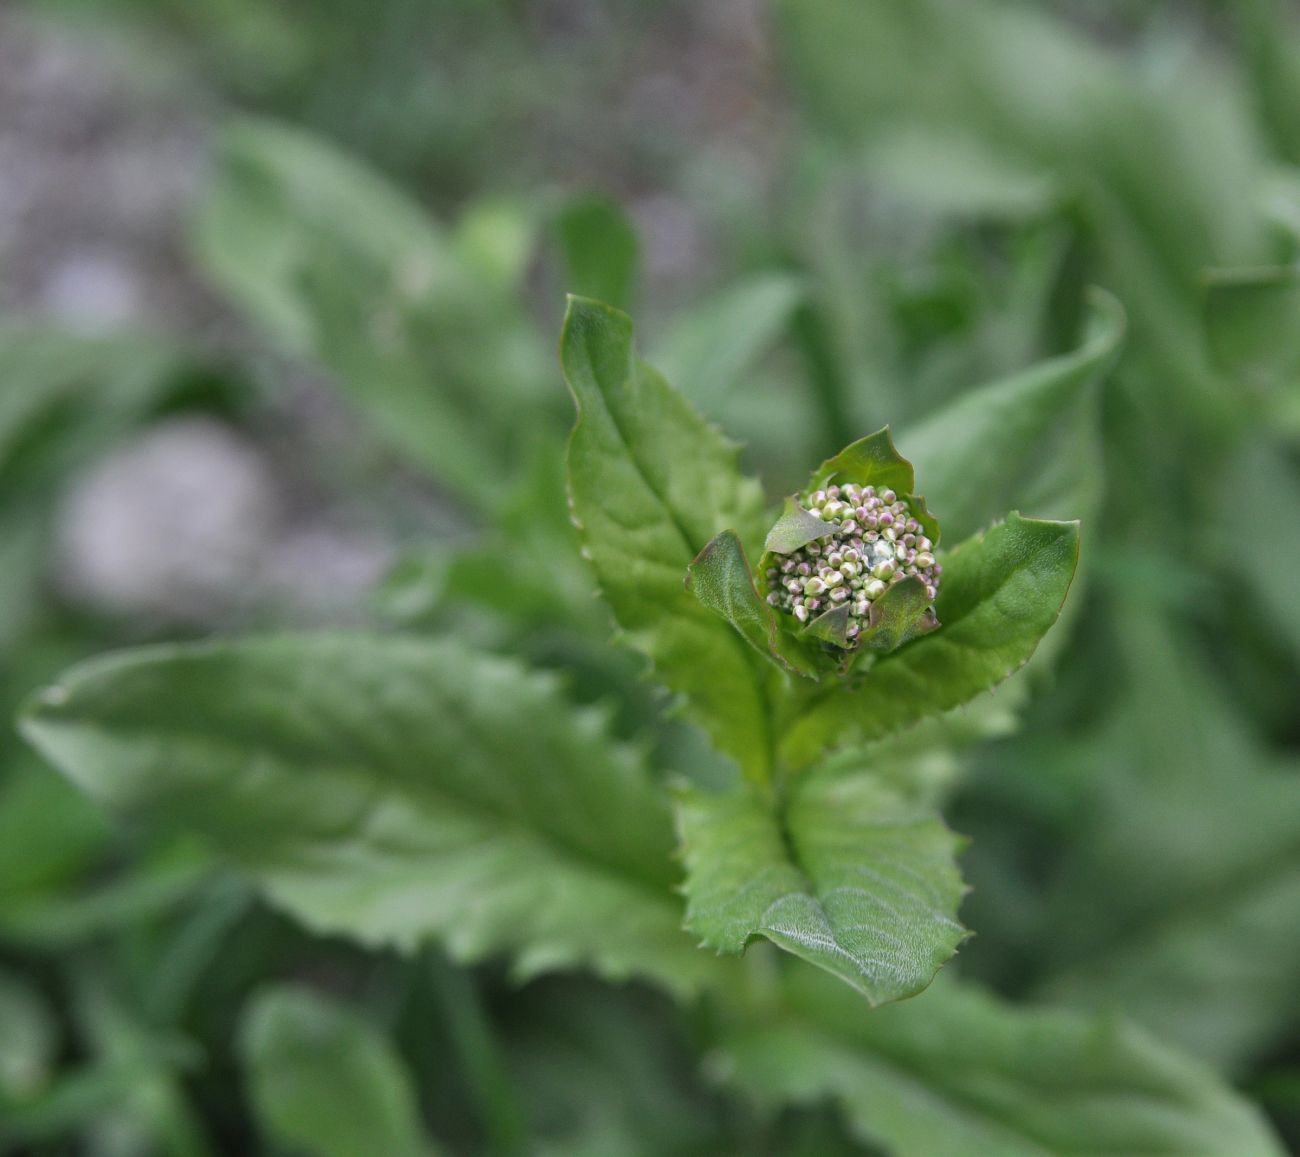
1031 440
870 461
324 1081
650 483
854 877
1001 592
720 578
389 789
961 1073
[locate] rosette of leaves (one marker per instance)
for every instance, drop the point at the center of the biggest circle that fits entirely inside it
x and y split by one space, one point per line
829 844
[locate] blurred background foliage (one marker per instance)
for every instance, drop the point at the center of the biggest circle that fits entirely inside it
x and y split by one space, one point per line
279 289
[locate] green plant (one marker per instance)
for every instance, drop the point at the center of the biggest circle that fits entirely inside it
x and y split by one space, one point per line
397 790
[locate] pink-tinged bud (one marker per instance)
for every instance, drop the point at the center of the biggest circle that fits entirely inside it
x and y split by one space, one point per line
875 589
773 599
884 518
804 569
925 558
888 497
839 595
931 591
812 604
814 586
801 613
852 631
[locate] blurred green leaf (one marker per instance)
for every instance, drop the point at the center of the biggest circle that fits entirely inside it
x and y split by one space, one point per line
29 1040
391 790
650 483
325 1081
960 1073
600 249
1032 440
713 345
342 268
852 876
1175 900
1001 593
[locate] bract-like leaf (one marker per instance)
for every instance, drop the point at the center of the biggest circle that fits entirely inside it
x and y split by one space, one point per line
721 579
901 614
388 789
861 881
650 483
870 461
325 1081
961 1073
1000 594
795 528
1031 440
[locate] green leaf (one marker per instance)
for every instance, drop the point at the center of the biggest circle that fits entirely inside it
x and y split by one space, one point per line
720 578
870 461
795 528
342 268
1001 593
325 1081
854 877
29 1041
650 483
709 350
1175 897
902 613
961 1073
1031 440
391 790
600 250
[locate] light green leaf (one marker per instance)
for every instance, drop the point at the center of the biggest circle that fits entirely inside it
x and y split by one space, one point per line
391 790
854 877
343 269
650 483
1001 593
961 1073
600 250
326 1082
1031 440
714 343
795 528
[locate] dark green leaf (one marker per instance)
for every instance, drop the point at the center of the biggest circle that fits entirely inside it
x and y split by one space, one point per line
960 1073
855 878
650 483
1001 593
721 579
325 1081
389 789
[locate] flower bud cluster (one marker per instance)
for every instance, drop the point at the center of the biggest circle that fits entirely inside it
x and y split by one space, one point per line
872 542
